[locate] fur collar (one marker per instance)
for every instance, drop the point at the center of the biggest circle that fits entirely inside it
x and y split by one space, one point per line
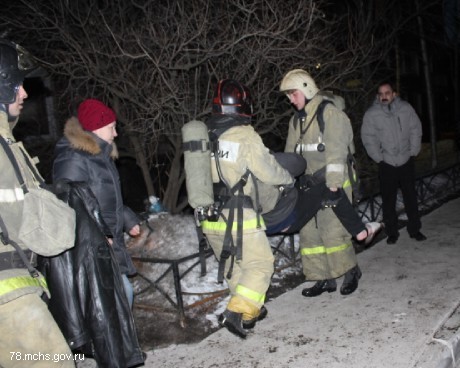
82 140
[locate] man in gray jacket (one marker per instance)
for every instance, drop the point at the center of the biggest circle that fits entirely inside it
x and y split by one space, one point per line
392 133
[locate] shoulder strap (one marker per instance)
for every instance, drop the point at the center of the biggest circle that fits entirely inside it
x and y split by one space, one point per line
194 146
320 112
14 162
302 130
32 168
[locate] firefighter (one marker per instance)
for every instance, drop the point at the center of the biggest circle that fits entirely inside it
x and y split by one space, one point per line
27 328
326 247
238 236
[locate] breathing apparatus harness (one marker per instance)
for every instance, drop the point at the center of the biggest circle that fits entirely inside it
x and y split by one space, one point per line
200 144
233 199
320 175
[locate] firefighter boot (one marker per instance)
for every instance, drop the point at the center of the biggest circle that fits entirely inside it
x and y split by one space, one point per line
320 287
246 311
233 322
248 324
350 281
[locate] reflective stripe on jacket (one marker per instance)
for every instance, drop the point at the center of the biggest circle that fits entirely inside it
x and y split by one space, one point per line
17 282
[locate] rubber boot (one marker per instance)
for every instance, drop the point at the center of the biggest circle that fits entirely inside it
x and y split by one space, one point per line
248 324
248 309
233 322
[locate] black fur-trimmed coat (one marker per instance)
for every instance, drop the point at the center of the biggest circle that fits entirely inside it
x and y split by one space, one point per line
81 156
88 300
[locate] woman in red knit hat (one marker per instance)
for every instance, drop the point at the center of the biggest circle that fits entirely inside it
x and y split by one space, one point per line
98 299
86 153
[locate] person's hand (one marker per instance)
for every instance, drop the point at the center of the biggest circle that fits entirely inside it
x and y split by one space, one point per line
135 231
110 241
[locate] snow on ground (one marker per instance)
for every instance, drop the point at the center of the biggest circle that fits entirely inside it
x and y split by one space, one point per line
174 236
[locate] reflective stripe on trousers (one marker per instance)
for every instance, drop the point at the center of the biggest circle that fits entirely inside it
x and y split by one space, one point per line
250 294
321 249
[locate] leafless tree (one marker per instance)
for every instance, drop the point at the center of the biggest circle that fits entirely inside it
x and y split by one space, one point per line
156 62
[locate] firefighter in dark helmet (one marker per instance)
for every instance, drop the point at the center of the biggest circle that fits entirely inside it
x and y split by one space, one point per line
238 236
27 325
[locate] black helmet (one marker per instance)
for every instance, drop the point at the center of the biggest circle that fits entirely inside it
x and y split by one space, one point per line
232 98
15 64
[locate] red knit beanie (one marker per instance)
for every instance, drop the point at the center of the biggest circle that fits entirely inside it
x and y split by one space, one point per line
93 114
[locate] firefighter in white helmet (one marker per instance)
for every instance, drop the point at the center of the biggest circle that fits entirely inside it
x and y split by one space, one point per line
326 248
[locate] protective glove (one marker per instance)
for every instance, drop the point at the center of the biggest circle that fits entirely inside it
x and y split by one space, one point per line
331 198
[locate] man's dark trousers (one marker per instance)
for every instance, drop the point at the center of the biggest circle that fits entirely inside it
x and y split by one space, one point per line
392 178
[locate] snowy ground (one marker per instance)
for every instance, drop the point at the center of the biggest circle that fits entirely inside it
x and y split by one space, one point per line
166 243
405 313
174 237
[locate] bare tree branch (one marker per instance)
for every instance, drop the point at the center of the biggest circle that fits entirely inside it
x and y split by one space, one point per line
158 61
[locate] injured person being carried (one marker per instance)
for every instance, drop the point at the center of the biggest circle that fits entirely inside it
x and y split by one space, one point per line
296 205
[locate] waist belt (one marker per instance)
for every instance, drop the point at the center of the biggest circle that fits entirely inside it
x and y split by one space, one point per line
246 202
9 260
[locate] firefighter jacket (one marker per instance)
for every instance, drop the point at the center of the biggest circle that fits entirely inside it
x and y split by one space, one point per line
304 137
82 156
391 132
15 279
88 299
242 149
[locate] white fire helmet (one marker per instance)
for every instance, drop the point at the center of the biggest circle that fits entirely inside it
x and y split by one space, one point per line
301 80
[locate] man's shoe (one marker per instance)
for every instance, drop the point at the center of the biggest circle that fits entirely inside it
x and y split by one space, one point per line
350 282
247 325
392 239
418 236
233 322
320 287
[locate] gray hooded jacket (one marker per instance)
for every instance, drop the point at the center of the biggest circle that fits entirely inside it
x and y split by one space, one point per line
391 132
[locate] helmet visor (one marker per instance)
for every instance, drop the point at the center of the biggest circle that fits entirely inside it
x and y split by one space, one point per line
26 62
15 64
